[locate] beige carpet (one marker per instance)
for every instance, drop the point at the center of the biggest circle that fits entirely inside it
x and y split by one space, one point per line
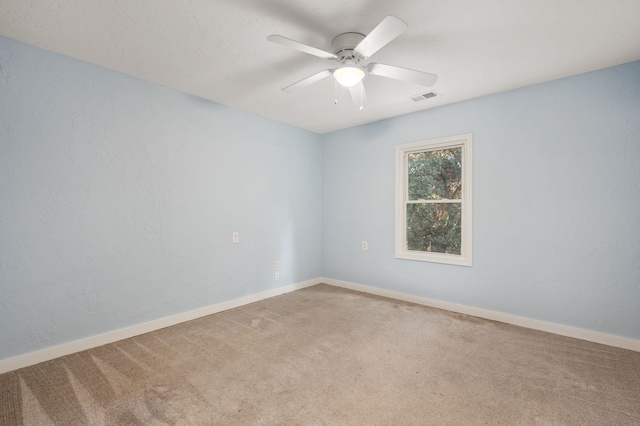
329 356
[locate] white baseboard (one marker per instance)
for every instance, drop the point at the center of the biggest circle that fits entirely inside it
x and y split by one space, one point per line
52 352
563 330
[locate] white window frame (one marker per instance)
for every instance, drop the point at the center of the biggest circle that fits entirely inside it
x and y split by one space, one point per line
402 198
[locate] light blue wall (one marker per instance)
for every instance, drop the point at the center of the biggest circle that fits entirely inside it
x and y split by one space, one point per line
118 199
556 203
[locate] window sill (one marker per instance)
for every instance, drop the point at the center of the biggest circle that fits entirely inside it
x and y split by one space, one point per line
450 259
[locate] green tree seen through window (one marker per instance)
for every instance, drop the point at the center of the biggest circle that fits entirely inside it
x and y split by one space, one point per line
434 213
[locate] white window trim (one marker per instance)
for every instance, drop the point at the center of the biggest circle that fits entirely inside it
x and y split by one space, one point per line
464 258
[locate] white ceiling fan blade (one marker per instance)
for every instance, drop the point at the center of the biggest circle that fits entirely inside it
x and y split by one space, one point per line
308 81
300 46
405 74
390 28
358 94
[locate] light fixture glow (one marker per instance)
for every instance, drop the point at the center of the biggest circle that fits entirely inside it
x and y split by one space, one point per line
348 76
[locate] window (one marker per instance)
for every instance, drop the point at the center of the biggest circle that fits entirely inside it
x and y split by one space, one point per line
433 200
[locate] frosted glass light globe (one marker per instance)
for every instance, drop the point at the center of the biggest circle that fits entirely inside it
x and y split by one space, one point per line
348 76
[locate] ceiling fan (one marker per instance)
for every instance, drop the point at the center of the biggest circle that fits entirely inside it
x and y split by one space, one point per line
350 50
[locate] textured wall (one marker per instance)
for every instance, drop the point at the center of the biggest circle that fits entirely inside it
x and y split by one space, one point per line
556 202
118 199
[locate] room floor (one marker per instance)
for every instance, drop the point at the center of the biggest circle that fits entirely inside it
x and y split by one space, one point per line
326 355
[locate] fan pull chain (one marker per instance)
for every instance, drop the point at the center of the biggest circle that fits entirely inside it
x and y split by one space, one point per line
361 94
335 91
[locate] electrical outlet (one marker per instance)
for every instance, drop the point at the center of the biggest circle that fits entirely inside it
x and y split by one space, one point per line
276 275
365 246
276 265
235 237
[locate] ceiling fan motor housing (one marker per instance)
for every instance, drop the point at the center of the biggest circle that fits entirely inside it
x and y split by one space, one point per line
343 46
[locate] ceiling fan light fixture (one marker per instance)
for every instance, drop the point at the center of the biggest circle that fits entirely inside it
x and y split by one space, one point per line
348 76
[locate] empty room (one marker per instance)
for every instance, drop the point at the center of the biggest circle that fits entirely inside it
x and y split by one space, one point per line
341 212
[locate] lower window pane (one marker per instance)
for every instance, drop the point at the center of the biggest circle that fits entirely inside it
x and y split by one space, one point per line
434 227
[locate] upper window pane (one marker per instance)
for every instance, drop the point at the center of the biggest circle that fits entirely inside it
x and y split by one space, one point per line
435 175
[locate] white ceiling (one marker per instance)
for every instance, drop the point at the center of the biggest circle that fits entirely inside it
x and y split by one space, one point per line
217 49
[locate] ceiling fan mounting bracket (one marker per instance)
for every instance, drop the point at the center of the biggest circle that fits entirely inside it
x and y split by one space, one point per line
343 46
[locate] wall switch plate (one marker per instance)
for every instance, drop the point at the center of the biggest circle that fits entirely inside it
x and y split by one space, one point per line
276 275
235 237
276 265
365 246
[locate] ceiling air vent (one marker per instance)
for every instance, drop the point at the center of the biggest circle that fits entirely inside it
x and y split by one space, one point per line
424 96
